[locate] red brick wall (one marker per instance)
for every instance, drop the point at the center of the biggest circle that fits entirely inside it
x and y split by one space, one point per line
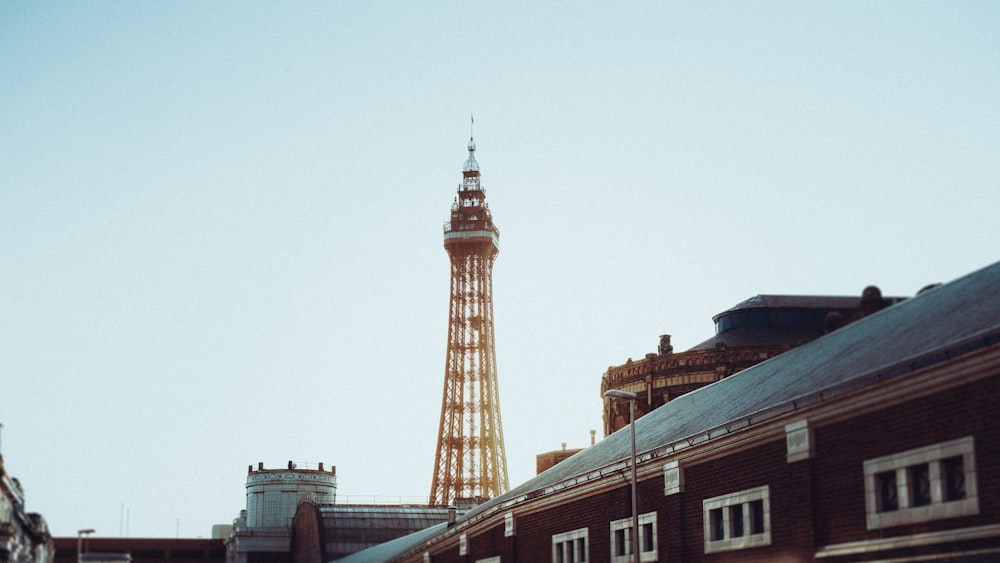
535 531
489 544
790 494
842 448
306 543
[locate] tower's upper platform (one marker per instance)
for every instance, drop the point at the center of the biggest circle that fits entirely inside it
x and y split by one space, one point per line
471 220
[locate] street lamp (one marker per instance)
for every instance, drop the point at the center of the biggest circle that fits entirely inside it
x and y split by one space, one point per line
631 398
79 543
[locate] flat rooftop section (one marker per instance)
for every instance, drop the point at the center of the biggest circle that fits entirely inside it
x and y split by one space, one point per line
144 550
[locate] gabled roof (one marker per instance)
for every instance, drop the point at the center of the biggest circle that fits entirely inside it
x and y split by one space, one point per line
935 326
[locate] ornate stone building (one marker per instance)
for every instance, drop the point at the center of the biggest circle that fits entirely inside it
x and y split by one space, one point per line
754 330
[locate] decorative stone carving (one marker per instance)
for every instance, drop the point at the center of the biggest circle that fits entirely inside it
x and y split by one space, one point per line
673 478
799 440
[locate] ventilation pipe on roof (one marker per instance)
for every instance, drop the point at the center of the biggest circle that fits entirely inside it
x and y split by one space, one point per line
452 512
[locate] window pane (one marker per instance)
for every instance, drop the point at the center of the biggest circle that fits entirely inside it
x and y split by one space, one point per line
886 486
620 542
647 537
581 548
954 476
716 524
757 318
920 484
757 517
736 520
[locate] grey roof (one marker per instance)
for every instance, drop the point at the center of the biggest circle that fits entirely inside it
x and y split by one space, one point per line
795 302
937 325
382 516
390 549
348 528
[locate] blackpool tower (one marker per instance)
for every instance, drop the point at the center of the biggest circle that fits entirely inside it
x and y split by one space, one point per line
470 464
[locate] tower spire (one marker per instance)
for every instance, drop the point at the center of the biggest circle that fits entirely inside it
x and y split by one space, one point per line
470 463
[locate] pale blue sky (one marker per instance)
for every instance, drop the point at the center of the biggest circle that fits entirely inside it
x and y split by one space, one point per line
220 223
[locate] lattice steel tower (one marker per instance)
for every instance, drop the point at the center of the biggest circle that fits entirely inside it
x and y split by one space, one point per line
470 463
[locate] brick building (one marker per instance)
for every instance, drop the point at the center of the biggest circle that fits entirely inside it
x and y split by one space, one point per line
877 441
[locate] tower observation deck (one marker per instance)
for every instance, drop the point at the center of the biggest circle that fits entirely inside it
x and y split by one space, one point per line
470 464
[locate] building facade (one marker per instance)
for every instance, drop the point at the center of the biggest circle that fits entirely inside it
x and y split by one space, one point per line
24 536
263 532
877 441
547 460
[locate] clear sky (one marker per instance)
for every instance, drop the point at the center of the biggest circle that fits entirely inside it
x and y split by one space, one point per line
221 223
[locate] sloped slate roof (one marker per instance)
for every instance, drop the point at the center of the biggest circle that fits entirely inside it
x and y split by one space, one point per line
390 549
939 324
349 528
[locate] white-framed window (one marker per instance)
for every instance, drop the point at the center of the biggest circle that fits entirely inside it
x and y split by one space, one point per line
928 483
570 547
494 559
621 539
738 520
